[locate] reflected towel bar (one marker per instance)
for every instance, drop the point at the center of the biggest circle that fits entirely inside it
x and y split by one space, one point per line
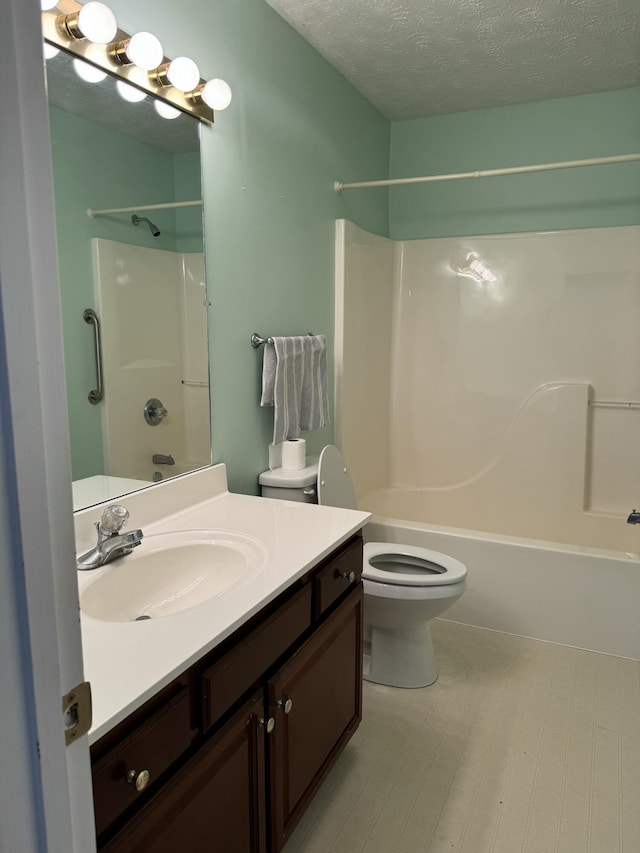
90 316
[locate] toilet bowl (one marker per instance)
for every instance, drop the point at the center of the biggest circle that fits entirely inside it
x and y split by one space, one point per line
404 586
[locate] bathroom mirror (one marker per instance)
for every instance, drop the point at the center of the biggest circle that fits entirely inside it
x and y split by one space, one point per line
140 271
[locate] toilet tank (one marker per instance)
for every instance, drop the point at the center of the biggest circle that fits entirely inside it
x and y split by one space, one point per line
288 485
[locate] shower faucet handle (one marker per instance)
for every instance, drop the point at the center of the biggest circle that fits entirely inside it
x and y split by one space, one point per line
154 411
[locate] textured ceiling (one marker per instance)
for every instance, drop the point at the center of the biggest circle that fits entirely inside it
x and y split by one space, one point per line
417 58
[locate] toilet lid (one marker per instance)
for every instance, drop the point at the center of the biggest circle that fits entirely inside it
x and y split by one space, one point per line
407 565
334 483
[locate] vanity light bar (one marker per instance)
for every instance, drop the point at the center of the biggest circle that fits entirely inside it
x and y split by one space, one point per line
59 32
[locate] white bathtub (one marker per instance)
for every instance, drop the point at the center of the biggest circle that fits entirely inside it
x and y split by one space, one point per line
576 596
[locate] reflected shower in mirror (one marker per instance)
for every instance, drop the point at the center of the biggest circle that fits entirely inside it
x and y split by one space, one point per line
132 251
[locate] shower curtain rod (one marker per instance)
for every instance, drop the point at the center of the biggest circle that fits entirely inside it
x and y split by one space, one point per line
165 206
338 186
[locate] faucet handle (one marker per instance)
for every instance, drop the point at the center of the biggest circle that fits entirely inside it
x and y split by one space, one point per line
114 518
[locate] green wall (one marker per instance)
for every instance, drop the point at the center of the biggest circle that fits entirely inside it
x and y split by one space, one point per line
96 167
294 126
547 131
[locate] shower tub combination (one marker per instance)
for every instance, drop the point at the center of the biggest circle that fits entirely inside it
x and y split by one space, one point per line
479 422
582 597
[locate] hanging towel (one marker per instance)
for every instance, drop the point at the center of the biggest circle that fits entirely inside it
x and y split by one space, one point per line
294 382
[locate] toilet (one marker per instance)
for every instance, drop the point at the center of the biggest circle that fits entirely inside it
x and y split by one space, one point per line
404 586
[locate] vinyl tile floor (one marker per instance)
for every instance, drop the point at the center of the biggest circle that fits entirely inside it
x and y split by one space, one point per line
519 747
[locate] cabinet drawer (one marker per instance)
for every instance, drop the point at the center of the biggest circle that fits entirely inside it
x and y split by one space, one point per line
228 679
152 746
338 576
215 801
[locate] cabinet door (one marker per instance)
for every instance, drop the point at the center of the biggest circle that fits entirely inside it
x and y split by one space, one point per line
316 700
215 803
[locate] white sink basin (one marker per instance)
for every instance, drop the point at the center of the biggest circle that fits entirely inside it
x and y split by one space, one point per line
171 572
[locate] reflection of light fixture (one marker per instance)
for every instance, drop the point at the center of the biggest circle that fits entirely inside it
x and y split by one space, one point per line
94 22
216 94
130 93
91 32
49 50
472 266
142 49
88 72
166 110
181 73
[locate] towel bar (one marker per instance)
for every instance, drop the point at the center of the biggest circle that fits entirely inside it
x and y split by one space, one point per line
257 341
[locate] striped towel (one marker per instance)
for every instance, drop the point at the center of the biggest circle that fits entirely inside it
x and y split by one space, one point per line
294 381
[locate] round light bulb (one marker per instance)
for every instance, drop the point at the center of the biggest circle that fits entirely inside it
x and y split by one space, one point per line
87 72
216 94
183 73
97 23
130 93
49 50
145 51
46 5
166 110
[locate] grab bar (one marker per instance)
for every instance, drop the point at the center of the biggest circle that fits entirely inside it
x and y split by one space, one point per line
90 316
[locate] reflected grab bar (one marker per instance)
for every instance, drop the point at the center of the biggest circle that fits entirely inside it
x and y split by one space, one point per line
90 316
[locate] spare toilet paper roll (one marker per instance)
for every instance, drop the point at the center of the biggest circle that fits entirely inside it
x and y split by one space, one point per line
294 454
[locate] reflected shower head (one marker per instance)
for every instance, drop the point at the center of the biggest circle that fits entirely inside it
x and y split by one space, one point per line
153 228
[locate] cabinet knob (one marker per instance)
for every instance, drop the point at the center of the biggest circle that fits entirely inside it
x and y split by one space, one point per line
349 577
139 779
286 705
270 724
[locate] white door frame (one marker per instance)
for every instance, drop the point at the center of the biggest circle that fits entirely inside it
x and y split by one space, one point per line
45 787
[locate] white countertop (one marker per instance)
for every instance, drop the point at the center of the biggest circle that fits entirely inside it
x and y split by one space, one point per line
128 662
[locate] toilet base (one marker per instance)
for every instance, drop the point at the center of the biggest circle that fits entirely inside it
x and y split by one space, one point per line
400 658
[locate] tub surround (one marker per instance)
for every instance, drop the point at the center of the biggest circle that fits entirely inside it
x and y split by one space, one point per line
581 597
129 662
485 404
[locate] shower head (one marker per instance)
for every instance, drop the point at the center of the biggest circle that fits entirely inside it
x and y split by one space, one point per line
153 228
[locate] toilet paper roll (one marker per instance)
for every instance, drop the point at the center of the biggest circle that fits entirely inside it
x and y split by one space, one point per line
294 454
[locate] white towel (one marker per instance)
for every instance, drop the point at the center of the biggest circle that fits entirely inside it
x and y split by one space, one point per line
294 381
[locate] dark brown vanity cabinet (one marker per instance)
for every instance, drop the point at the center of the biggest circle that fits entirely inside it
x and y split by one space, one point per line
316 700
227 757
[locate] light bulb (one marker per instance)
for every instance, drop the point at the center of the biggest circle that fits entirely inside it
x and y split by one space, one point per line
130 93
97 23
88 72
183 74
145 51
49 50
166 110
216 94
46 5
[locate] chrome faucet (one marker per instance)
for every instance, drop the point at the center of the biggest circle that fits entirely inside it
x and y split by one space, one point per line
634 517
111 542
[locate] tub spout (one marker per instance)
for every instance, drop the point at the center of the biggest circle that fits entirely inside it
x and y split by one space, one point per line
634 517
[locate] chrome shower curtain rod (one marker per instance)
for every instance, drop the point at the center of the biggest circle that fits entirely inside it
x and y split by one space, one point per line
164 206
489 173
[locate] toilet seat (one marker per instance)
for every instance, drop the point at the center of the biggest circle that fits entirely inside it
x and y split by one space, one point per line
424 568
427 568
